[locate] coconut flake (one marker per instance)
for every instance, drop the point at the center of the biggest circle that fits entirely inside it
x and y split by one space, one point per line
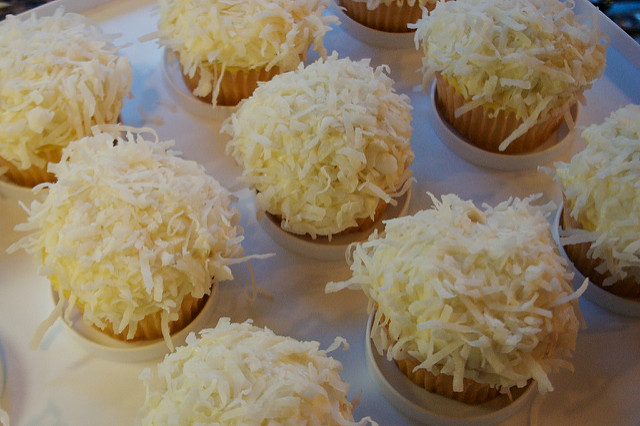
313 143
469 292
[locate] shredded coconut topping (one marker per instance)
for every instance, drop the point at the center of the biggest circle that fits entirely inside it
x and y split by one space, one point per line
4 418
531 58
129 229
324 144
239 374
602 187
481 294
60 76
241 34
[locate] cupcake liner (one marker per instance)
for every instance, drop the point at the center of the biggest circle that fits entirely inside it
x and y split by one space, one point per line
442 384
150 327
392 18
488 133
235 86
362 224
366 223
33 175
628 287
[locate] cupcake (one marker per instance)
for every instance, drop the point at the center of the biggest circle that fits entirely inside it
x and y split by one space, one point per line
509 71
239 374
133 235
601 215
387 15
226 47
469 303
61 75
326 147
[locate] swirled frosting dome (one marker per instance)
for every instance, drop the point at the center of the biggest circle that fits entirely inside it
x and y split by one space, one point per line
531 58
60 76
324 144
129 229
239 374
602 186
478 294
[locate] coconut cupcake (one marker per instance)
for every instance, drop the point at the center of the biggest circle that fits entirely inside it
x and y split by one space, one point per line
132 235
508 72
601 216
326 147
226 47
239 374
469 303
61 75
387 15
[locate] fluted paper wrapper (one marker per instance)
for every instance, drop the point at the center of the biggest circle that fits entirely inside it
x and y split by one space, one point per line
484 132
235 86
33 175
392 18
363 224
366 223
628 287
150 327
442 384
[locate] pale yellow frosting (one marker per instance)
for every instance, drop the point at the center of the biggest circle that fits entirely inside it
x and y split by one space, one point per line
60 76
240 374
241 34
324 144
471 293
130 229
602 186
532 58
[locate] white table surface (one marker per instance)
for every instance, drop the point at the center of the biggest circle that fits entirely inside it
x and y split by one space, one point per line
62 384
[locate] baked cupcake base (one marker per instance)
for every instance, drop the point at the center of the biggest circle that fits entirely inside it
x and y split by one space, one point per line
33 175
236 84
577 253
321 248
362 225
102 345
557 145
442 384
391 18
430 408
150 328
488 133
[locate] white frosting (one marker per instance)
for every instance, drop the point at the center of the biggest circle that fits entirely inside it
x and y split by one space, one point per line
130 229
239 374
60 76
602 185
481 294
531 58
324 144
240 34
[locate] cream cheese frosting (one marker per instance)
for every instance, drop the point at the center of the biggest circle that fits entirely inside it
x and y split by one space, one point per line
129 229
239 374
323 145
602 186
241 34
532 58
60 76
471 293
